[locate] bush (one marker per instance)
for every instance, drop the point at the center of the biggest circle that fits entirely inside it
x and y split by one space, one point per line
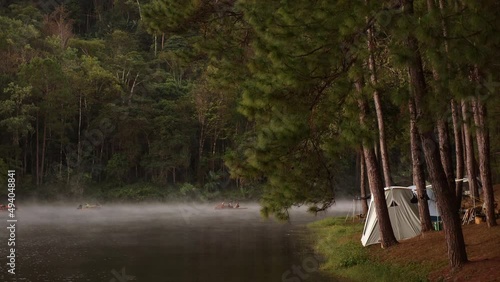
136 192
117 167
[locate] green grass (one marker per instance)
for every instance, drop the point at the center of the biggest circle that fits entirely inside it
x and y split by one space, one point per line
339 242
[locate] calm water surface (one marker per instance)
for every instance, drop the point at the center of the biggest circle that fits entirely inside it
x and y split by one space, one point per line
158 243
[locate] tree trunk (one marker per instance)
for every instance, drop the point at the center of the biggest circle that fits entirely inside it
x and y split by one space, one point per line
139 7
60 158
362 183
384 156
42 164
155 43
358 168
418 171
201 145
214 149
459 153
173 176
387 238
25 155
483 147
442 124
132 89
469 149
445 198
37 165
79 149
68 170
445 151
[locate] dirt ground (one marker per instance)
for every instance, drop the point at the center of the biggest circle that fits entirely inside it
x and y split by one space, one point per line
483 250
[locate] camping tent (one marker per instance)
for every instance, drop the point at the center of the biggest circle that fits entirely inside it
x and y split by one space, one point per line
433 210
403 214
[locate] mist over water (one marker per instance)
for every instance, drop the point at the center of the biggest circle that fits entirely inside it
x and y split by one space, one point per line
157 242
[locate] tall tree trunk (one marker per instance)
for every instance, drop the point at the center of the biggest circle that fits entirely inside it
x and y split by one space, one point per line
384 156
155 39
445 151
445 198
37 165
358 169
61 146
469 149
132 89
25 155
173 175
79 149
60 158
68 171
459 153
139 7
483 147
442 125
201 145
418 171
214 150
44 143
387 238
362 183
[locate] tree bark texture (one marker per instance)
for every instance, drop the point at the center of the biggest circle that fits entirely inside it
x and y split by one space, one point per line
445 198
387 238
483 147
469 149
459 153
445 152
384 155
364 200
418 171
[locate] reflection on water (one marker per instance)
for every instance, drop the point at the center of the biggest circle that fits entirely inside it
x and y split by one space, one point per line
158 243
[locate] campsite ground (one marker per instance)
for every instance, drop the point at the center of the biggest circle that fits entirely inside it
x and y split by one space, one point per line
414 259
483 250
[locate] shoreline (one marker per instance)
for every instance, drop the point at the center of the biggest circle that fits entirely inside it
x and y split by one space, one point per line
422 258
346 259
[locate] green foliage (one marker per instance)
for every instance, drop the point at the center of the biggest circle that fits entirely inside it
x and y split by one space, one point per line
136 192
290 95
241 98
117 167
18 112
170 15
188 189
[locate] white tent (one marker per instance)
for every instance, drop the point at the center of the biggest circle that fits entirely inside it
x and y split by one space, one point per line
431 202
403 214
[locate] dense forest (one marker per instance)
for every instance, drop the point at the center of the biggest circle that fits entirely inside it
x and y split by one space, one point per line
96 102
295 101
92 101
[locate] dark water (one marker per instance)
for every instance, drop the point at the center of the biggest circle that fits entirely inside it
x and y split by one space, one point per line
158 243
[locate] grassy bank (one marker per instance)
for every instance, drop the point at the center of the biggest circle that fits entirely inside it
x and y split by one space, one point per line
339 242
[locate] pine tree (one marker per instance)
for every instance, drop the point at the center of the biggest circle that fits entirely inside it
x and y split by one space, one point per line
444 196
418 170
387 238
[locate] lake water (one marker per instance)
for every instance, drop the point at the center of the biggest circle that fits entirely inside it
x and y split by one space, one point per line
158 242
